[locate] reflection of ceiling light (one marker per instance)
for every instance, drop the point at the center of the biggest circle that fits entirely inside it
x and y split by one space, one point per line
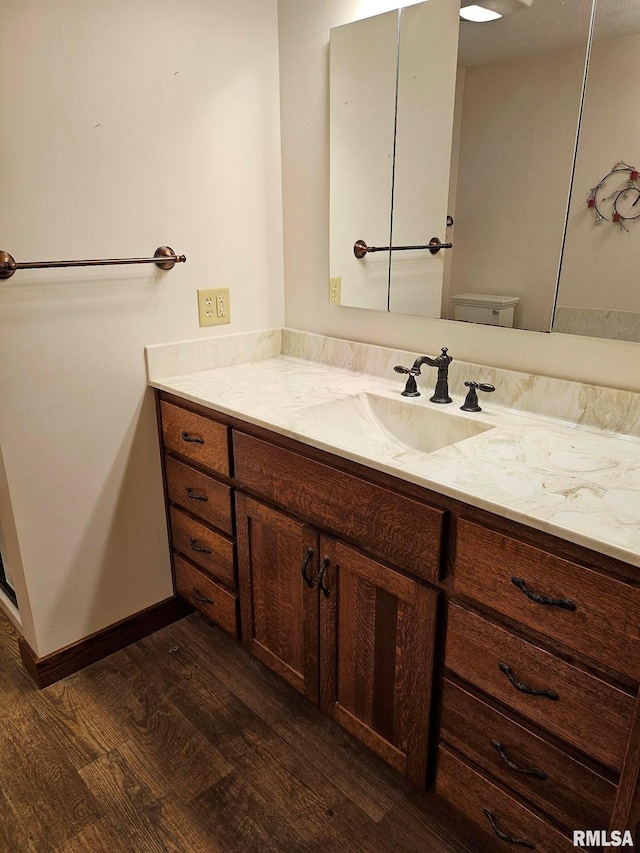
490 10
478 14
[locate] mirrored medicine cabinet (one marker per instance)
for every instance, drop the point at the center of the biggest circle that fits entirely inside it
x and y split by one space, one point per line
467 134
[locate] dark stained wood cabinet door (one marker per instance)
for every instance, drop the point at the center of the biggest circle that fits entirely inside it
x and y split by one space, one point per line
377 631
279 609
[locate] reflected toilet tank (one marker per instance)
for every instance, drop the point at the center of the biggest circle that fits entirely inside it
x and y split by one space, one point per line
488 308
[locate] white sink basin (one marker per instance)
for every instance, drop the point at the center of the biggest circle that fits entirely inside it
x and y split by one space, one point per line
416 425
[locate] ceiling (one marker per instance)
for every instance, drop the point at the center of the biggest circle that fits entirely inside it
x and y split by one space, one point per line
546 27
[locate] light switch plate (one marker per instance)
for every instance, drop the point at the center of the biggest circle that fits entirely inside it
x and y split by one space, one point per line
214 308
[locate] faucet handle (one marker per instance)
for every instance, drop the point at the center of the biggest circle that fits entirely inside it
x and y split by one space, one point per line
471 401
410 389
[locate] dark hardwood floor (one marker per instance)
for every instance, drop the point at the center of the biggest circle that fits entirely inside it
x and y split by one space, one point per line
183 742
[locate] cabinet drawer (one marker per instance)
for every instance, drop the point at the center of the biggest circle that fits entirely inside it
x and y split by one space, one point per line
404 531
212 552
563 788
208 597
199 494
588 713
481 803
519 581
200 439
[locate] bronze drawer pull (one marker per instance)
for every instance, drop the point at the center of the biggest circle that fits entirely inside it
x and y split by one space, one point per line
193 496
202 598
530 691
565 603
323 568
525 842
303 569
539 774
200 548
191 438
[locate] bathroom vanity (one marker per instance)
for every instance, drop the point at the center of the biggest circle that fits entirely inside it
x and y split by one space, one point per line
492 662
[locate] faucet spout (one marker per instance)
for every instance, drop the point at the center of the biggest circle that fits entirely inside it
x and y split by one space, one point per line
442 362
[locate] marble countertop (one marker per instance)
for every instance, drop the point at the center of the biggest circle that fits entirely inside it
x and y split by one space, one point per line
573 481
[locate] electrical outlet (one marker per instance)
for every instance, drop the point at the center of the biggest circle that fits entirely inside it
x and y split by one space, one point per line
335 285
213 306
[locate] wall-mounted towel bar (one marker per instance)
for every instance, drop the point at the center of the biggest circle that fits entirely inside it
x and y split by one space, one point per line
360 248
164 258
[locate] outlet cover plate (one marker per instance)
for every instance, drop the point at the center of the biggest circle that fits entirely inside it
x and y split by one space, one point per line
214 308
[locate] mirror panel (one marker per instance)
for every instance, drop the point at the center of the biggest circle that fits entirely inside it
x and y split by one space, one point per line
428 47
515 113
521 97
598 294
363 60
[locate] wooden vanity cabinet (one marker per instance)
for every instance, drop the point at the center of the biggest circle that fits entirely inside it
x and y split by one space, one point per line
196 459
540 689
337 584
343 629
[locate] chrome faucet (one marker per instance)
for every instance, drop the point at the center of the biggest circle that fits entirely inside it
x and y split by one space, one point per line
442 362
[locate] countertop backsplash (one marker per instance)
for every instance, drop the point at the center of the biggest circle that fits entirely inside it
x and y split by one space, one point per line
594 406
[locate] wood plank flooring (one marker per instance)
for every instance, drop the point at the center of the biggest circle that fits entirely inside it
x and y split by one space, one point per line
184 743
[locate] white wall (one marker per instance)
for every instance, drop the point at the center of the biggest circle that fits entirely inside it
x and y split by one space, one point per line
601 261
304 78
125 126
